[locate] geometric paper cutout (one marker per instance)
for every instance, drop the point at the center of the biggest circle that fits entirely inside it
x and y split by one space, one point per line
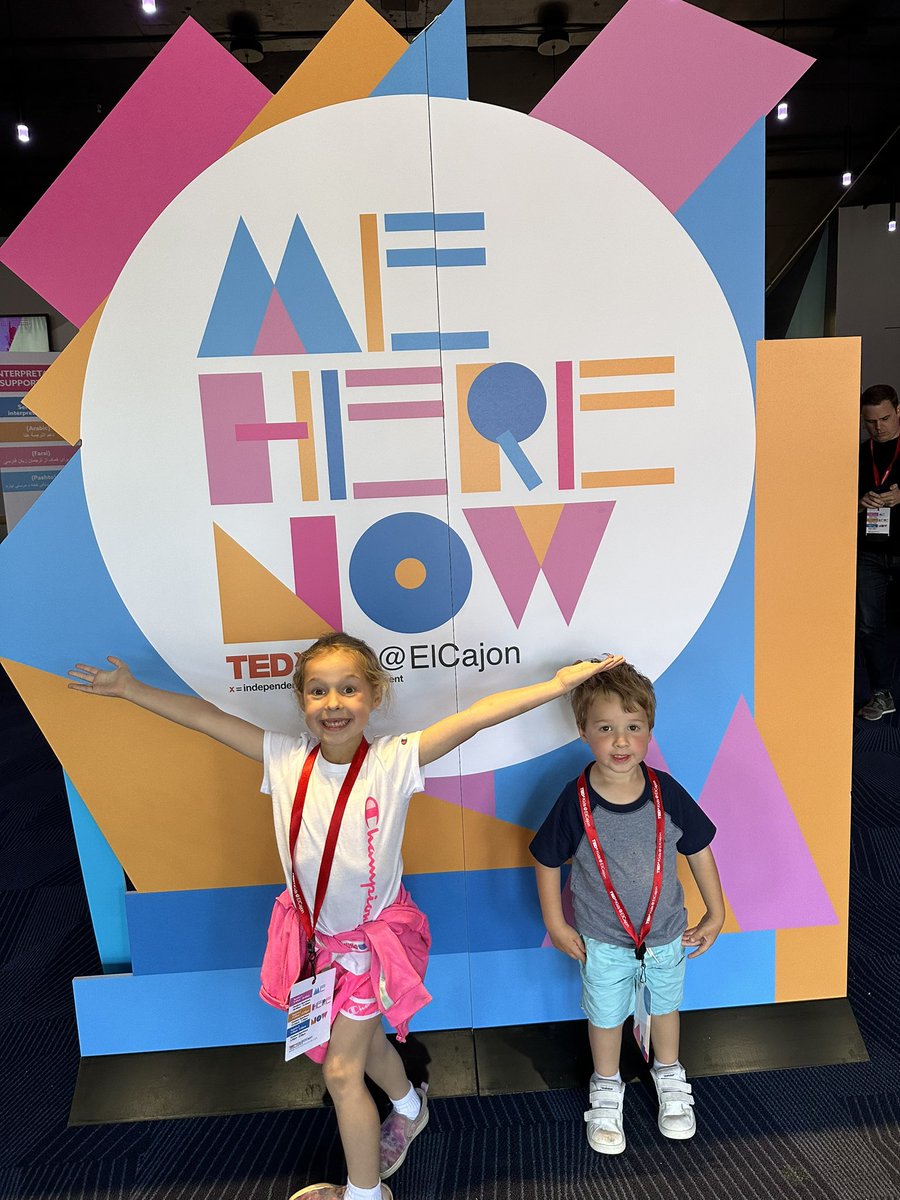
469 791
765 863
238 471
435 63
256 606
356 52
310 299
441 836
278 335
181 115
314 542
667 89
57 396
241 300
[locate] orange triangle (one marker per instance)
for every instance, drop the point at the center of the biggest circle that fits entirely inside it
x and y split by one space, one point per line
56 398
693 901
256 606
442 836
539 524
347 64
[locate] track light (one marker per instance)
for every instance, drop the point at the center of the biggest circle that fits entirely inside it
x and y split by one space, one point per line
892 217
23 133
847 178
149 7
782 112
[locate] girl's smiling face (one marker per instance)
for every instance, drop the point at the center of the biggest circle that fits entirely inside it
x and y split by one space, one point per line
337 701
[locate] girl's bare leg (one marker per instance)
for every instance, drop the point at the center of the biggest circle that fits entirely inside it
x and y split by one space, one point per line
384 1066
344 1070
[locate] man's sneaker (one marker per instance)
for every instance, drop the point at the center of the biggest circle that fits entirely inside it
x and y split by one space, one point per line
331 1191
676 1103
604 1118
880 704
398 1131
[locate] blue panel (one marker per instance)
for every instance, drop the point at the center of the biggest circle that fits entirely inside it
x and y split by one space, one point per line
504 912
407 76
725 217
310 299
525 792
428 256
241 300
442 896
740 969
212 929
58 605
134 1014
697 695
442 222
476 339
435 61
334 435
104 882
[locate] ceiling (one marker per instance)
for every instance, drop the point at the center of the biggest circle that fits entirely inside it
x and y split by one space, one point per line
65 63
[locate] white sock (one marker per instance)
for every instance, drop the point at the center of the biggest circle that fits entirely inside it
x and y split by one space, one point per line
408 1105
357 1193
617 1078
658 1067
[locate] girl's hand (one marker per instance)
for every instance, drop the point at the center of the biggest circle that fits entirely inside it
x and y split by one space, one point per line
99 682
569 940
702 935
570 677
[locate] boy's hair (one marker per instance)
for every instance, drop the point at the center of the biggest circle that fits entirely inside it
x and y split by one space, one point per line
370 668
633 689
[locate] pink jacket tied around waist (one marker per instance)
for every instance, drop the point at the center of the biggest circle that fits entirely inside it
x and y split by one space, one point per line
399 940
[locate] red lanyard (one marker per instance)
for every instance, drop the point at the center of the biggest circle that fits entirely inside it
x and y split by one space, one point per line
879 482
590 829
309 922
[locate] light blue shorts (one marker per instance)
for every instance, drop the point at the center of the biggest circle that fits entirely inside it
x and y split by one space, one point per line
607 980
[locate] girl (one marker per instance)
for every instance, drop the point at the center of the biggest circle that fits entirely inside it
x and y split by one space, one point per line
359 912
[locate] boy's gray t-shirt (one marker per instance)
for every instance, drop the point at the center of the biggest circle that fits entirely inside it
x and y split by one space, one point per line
627 833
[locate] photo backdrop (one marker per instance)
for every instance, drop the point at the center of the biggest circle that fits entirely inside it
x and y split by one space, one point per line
479 388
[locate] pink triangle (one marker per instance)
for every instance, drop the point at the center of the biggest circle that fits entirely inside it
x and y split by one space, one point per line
507 553
277 334
572 551
767 871
475 792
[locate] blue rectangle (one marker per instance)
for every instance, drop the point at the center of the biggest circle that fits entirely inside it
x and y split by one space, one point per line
428 256
131 1014
442 897
504 913
472 340
26 481
441 222
334 435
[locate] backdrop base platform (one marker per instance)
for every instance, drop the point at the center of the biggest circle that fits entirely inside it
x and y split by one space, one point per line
462 1062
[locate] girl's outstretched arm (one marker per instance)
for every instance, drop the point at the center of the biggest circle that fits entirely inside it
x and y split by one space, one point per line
442 737
190 711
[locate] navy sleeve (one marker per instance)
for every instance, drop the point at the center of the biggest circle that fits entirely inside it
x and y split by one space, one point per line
557 839
697 830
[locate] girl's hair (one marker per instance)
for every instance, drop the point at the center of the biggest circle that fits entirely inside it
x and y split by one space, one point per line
370 668
633 689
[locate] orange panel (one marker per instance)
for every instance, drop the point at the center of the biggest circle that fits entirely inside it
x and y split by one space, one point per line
371 273
609 401
179 810
56 397
306 447
641 478
433 840
479 459
598 368
805 570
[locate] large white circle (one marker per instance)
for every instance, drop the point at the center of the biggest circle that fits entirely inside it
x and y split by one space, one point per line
582 263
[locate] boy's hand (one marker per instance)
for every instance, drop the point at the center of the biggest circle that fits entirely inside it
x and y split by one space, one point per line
570 677
702 935
567 939
99 682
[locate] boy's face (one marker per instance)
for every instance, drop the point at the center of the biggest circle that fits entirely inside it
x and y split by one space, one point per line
618 739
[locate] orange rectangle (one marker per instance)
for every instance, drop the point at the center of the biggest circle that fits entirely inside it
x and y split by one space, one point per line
598 368
645 478
608 401
479 459
804 597
306 447
371 273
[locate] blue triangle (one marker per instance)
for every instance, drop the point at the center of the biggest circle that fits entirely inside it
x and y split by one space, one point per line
435 63
310 299
241 300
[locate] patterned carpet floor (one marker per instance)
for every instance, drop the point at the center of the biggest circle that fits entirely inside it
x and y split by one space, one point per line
830 1133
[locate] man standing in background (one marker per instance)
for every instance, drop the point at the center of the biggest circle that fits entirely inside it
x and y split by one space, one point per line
878 543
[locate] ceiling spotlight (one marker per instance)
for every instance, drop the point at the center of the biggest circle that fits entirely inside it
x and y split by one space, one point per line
246 49
847 178
149 7
551 43
23 133
892 217
782 111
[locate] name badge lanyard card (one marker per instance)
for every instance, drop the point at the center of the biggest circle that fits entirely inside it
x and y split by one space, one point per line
878 520
310 999
642 1007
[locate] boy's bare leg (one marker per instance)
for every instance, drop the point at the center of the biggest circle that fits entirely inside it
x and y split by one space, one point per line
665 1034
606 1047
357 1116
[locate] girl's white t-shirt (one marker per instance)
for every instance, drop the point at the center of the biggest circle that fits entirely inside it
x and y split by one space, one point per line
368 864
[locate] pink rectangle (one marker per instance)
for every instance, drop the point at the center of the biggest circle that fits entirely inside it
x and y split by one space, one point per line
399 487
393 376
184 112
36 456
272 431
238 473
399 410
565 428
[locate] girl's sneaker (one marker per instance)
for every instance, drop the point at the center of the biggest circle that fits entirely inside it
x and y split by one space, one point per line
605 1132
330 1191
676 1103
397 1133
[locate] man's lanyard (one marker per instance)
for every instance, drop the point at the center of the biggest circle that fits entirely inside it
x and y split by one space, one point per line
308 921
590 829
880 480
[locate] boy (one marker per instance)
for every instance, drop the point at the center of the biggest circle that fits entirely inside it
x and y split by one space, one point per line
619 816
